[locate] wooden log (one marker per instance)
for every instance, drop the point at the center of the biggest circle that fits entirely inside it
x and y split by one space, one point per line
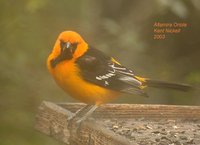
52 120
140 111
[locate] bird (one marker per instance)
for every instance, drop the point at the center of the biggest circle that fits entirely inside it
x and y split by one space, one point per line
93 77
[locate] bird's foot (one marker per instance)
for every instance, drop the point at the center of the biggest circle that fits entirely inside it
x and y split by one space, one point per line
71 119
74 124
75 121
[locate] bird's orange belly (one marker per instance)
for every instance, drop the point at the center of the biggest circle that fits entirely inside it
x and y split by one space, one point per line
67 77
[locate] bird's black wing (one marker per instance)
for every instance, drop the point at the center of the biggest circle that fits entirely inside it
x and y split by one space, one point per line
104 71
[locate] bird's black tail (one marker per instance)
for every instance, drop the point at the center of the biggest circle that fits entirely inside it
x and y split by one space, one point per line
163 84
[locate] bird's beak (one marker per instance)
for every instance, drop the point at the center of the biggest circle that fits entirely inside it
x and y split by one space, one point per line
68 44
64 46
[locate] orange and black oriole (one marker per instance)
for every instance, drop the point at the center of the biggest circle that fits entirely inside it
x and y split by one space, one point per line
93 77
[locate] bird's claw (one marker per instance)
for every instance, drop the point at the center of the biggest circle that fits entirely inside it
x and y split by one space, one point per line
74 124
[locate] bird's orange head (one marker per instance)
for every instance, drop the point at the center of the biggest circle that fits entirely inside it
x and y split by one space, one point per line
69 46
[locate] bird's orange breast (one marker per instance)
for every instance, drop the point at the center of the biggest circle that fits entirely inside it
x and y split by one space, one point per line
67 76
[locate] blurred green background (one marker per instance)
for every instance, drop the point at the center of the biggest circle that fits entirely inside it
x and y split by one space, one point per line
123 29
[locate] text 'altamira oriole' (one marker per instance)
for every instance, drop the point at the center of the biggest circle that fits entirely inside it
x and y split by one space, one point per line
89 75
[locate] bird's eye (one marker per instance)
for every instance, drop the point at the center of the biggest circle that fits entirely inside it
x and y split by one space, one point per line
74 47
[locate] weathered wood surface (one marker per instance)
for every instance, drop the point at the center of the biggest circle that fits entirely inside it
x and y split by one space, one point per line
52 120
140 110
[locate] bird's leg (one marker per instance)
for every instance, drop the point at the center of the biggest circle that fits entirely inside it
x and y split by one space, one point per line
79 112
87 114
76 115
81 115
